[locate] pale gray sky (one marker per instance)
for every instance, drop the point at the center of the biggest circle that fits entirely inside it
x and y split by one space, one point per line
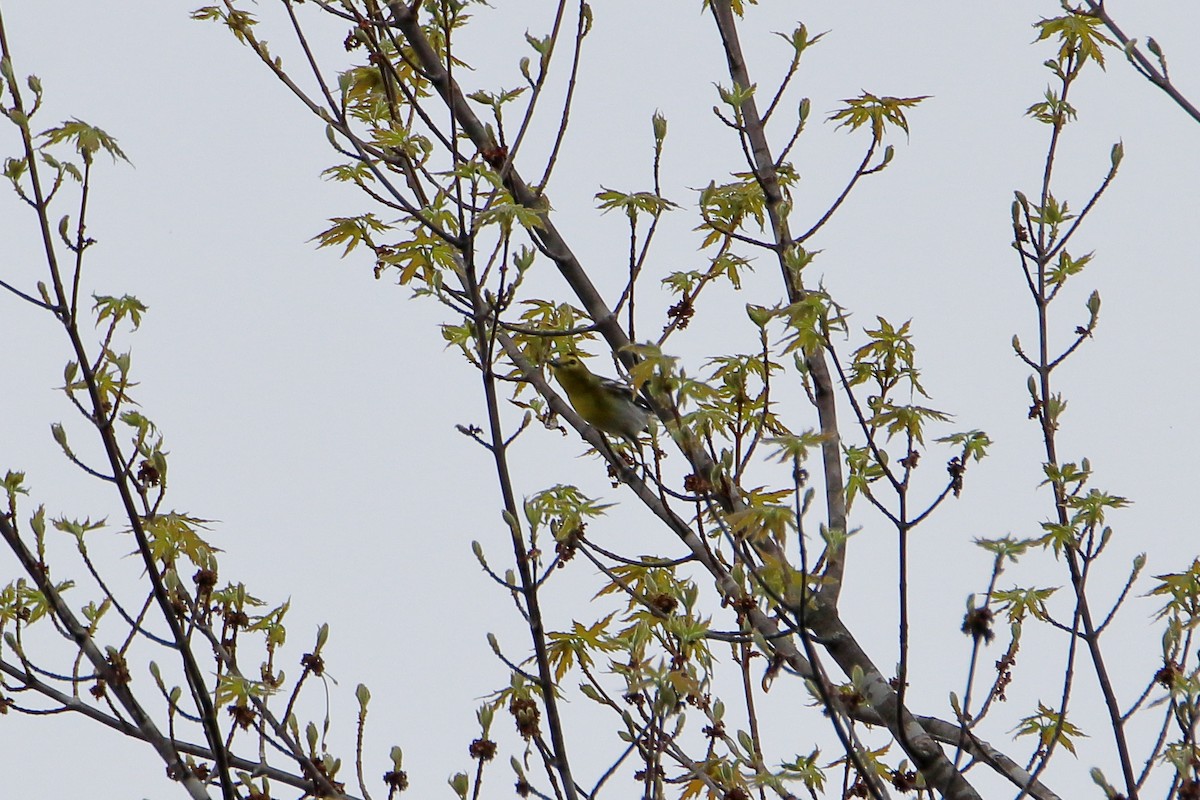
309 408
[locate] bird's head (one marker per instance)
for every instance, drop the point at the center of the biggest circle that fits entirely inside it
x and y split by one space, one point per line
568 363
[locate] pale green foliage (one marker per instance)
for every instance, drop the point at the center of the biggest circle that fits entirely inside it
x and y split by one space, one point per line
1183 592
750 435
563 509
1080 37
177 602
1050 727
877 112
87 140
635 203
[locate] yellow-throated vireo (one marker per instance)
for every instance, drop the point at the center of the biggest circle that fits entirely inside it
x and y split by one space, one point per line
611 406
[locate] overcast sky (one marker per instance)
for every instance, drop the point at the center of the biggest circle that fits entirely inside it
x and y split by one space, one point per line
309 408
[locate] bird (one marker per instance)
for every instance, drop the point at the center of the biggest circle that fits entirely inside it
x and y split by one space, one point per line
608 405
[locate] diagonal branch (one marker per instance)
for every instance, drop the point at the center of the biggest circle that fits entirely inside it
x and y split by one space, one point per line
823 391
118 686
1139 60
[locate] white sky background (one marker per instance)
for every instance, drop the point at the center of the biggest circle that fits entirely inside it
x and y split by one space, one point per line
310 408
